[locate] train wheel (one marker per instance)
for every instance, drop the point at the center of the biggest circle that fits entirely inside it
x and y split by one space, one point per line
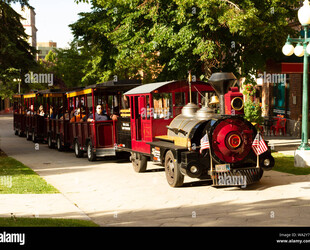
139 162
20 133
50 142
58 144
173 174
77 151
91 155
28 137
33 137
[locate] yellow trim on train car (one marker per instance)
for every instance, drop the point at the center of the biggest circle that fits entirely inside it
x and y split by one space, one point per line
81 92
165 137
232 103
125 112
32 95
180 141
52 95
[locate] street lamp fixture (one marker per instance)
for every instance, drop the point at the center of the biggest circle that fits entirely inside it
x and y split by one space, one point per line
19 81
304 14
299 50
288 48
302 49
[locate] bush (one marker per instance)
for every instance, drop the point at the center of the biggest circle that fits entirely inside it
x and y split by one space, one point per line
253 111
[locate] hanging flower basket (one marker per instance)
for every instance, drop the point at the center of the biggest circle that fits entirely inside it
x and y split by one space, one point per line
249 89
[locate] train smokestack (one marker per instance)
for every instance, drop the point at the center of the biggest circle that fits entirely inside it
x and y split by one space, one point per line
221 82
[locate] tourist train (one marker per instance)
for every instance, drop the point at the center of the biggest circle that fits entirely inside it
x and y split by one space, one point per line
192 128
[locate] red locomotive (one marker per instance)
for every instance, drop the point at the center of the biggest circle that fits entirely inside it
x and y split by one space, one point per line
152 107
198 143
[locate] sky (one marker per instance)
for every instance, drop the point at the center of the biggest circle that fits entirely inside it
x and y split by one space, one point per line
53 18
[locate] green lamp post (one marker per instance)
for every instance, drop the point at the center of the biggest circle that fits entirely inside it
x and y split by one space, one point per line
302 49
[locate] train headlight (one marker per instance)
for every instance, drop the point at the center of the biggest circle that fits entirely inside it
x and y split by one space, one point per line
234 141
193 169
267 162
237 103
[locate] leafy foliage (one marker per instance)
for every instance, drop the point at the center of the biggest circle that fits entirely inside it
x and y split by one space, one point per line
161 39
153 40
249 86
66 65
16 55
253 111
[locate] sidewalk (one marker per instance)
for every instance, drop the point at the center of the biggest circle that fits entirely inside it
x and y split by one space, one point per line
39 206
283 144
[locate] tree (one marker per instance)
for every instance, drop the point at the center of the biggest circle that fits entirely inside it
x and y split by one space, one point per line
164 39
66 65
16 56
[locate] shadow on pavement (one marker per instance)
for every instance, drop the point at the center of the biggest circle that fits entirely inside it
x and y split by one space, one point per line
275 212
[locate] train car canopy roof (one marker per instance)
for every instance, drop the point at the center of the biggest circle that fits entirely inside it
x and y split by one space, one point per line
147 88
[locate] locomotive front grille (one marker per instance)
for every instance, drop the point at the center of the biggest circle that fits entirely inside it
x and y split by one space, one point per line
236 177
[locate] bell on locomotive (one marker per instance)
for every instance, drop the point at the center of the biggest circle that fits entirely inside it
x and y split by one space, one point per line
230 99
221 147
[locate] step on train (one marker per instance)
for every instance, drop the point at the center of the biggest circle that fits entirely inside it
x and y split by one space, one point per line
194 129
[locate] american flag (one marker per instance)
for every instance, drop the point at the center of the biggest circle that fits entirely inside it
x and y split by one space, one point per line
259 145
204 143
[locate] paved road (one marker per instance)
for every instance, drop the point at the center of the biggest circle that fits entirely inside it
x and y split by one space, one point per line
110 193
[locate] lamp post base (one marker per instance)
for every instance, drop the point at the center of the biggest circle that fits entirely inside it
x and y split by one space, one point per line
304 146
302 158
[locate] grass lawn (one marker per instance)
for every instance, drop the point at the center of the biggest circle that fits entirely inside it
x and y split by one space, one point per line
16 178
42 222
285 163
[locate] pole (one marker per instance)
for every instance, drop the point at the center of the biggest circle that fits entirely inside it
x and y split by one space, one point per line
257 156
211 163
190 86
304 132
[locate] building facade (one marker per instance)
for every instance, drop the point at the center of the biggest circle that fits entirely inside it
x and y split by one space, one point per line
281 92
29 24
45 47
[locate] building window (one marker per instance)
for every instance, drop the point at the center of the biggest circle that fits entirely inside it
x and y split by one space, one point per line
179 99
280 99
194 98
